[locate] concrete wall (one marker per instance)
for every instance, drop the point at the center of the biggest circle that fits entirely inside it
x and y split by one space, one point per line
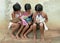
2 12
51 7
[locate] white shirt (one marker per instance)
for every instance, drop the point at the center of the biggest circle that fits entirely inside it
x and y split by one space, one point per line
39 18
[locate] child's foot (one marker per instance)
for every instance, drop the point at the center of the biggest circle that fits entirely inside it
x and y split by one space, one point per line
25 36
22 37
34 37
17 37
13 36
42 40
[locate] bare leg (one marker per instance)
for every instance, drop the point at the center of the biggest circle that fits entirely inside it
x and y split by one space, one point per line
22 34
34 31
42 31
14 28
19 31
29 30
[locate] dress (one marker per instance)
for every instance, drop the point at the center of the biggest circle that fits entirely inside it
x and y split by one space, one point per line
41 19
10 23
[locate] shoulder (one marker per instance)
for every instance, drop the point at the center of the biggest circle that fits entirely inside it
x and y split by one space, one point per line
34 14
31 14
44 14
12 13
22 12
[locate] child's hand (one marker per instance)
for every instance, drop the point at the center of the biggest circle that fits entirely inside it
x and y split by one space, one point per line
24 17
42 20
38 21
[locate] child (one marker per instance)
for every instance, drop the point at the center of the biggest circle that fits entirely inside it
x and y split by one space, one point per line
16 21
40 18
29 15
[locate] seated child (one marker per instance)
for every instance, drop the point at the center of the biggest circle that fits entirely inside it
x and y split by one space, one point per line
29 15
16 21
40 18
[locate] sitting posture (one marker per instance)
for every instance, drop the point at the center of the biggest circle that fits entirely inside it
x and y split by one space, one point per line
40 18
16 21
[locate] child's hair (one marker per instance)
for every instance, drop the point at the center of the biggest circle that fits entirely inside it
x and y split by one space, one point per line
38 7
27 6
16 7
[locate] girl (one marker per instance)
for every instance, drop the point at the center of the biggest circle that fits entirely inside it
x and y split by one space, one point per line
15 22
40 18
28 19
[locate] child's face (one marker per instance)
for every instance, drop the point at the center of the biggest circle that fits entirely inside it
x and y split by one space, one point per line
38 12
29 11
17 12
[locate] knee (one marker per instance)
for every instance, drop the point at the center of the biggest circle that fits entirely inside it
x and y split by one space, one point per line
41 24
16 25
34 25
31 26
13 25
27 26
29 23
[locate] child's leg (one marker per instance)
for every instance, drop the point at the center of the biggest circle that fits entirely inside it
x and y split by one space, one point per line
14 28
29 30
34 30
19 31
42 31
10 25
25 28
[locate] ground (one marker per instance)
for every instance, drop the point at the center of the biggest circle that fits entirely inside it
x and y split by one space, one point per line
51 36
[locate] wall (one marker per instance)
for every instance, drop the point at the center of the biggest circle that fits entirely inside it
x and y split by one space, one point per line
2 13
51 7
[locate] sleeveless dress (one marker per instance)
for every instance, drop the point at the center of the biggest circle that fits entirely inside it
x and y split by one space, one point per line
10 23
23 21
28 18
41 20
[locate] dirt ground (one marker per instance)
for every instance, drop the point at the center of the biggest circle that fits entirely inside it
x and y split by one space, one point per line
51 36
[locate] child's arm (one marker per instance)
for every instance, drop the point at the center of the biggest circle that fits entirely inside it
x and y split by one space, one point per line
46 18
13 16
34 18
